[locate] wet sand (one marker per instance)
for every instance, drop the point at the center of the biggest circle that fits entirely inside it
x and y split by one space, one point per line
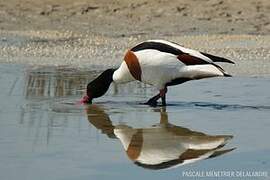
53 48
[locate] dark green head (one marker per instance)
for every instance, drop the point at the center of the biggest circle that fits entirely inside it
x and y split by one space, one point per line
99 86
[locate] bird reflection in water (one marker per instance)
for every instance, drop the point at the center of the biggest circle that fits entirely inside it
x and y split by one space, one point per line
163 145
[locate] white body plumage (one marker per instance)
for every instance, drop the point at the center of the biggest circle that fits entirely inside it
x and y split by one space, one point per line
160 63
166 145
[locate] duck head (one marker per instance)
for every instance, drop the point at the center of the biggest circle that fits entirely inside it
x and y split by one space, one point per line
99 86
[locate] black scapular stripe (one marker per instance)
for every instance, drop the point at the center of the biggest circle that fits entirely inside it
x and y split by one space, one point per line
217 59
177 81
157 46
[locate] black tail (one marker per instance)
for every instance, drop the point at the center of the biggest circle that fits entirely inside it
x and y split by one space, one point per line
218 59
227 75
221 152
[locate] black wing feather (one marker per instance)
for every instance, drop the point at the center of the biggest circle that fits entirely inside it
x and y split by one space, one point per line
217 58
157 46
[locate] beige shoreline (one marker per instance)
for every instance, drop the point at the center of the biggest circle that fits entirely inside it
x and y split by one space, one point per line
87 33
54 48
118 18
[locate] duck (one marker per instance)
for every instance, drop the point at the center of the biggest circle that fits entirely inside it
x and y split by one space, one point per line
159 63
162 145
167 146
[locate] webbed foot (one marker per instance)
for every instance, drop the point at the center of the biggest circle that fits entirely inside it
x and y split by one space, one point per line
151 102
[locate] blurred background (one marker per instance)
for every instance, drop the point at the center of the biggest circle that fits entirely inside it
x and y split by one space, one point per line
120 18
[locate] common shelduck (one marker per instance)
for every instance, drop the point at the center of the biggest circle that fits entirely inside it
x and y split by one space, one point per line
159 63
163 145
169 146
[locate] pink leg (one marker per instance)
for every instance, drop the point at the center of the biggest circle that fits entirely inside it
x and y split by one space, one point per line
162 93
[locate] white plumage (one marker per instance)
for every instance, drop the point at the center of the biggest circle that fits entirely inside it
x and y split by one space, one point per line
158 67
160 145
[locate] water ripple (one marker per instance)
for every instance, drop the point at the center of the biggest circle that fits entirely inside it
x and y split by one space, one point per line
218 106
186 105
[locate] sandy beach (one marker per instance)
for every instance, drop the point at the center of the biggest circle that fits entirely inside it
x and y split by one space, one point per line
87 34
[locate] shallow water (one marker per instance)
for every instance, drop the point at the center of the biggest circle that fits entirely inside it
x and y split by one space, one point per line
46 134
